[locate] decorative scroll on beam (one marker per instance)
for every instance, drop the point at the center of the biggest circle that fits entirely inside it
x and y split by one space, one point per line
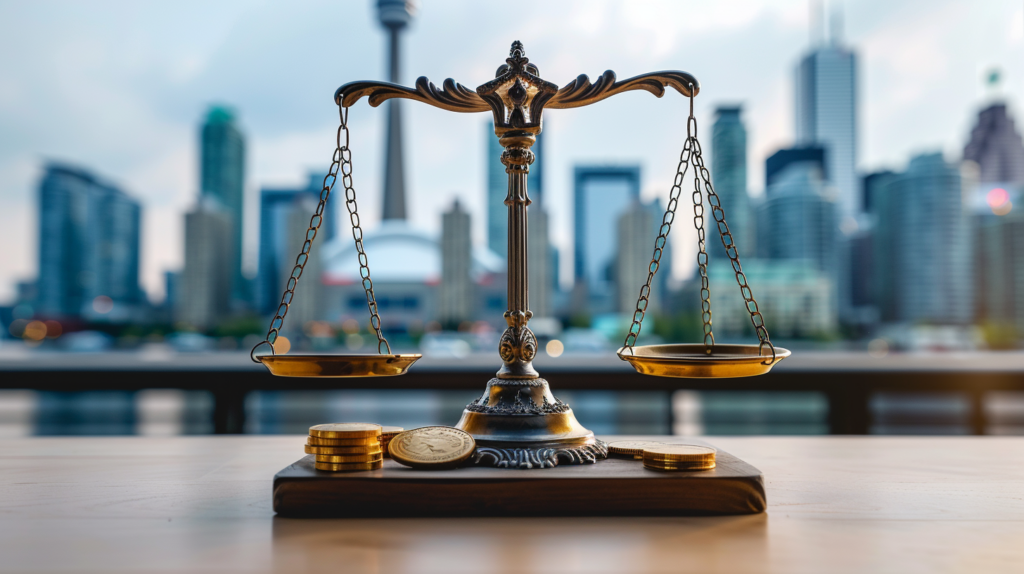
580 92
452 96
455 97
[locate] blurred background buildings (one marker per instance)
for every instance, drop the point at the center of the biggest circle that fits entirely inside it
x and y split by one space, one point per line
840 256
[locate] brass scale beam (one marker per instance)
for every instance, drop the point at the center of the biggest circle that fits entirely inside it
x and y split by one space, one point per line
518 422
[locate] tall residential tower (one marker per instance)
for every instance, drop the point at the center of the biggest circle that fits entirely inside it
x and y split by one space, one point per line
222 178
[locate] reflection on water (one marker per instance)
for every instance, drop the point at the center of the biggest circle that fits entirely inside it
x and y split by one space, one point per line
164 412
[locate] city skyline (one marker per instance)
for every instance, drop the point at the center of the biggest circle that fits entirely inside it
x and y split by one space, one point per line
297 136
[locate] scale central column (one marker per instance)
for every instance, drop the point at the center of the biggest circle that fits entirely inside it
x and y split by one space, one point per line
517 422
518 344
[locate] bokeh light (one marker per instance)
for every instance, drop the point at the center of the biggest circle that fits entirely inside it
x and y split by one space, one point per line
53 329
34 331
554 348
282 345
102 304
998 200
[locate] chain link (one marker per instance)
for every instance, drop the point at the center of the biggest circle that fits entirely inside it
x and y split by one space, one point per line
341 162
691 155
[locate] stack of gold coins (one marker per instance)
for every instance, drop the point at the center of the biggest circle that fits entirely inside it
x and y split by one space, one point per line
633 449
386 434
679 457
341 447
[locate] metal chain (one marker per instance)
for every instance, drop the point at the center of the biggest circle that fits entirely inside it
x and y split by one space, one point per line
702 266
341 162
659 244
692 154
730 250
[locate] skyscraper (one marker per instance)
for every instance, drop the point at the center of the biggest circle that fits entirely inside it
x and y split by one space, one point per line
826 115
222 177
729 173
931 243
88 246
278 248
455 298
497 189
996 147
883 208
635 232
797 219
601 195
995 153
394 15
205 284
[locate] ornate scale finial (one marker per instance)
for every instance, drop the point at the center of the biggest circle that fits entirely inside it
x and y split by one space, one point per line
517 94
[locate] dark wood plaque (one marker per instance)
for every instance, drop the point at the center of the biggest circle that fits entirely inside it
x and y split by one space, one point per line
612 487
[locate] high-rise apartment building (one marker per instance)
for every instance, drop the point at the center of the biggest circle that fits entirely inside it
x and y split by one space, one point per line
222 177
497 189
88 247
205 284
729 176
931 243
826 115
601 195
455 297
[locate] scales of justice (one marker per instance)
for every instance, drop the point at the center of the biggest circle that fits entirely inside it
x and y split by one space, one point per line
518 422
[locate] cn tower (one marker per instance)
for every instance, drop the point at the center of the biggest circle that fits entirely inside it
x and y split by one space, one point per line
394 16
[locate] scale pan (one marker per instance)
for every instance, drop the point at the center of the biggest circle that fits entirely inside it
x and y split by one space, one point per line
692 362
338 365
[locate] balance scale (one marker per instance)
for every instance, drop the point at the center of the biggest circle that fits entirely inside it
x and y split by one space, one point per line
517 422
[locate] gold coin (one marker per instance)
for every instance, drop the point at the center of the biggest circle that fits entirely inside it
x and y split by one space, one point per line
432 447
390 432
345 430
678 466
337 450
339 459
367 441
349 466
633 448
680 453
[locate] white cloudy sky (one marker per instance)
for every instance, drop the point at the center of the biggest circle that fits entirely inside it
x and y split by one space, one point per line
119 87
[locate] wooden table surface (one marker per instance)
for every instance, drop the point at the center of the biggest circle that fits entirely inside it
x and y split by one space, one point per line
203 504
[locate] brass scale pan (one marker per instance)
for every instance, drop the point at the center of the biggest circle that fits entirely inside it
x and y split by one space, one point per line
679 361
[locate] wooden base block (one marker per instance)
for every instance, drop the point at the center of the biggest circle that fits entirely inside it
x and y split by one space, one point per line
612 487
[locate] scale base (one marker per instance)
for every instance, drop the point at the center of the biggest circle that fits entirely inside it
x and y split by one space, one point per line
518 423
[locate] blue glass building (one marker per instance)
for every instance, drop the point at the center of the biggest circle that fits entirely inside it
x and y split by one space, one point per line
601 195
88 247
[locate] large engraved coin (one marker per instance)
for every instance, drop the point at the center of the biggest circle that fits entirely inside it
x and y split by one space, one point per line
345 430
432 447
631 448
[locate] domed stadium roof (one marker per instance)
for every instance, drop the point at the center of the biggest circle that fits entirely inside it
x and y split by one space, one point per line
398 253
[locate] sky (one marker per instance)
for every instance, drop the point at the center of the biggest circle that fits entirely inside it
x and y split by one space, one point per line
121 87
